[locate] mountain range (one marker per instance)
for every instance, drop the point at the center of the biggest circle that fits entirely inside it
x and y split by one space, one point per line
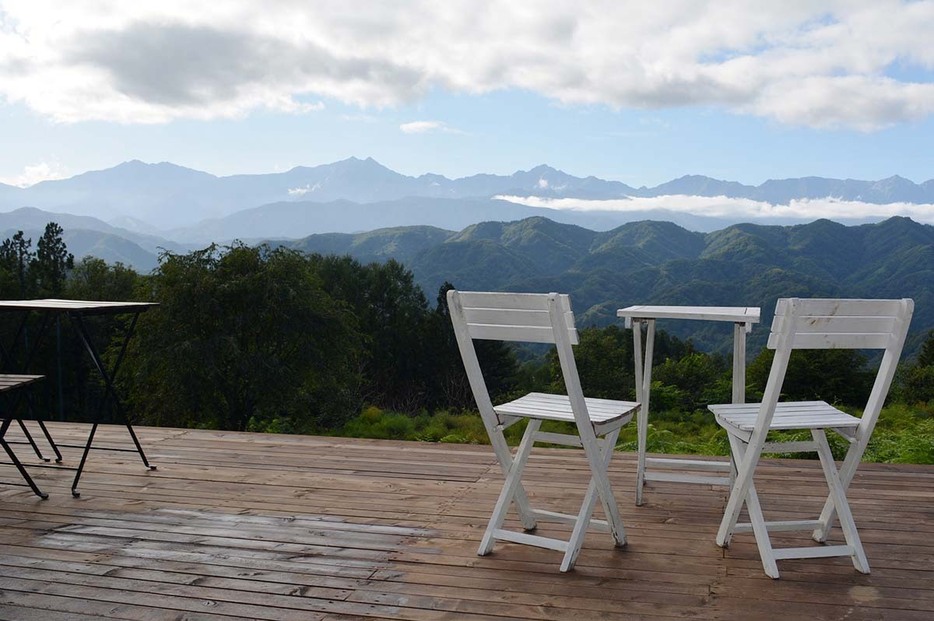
651 262
353 195
460 231
645 262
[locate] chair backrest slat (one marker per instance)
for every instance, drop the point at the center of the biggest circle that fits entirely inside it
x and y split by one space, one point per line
523 317
836 341
843 324
841 307
517 301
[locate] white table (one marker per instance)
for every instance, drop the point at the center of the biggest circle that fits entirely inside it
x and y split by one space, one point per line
742 318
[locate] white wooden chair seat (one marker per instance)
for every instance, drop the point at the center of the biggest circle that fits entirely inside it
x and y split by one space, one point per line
741 417
811 324
540 318
605 414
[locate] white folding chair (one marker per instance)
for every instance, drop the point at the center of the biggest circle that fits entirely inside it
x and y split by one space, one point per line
811 324
540 318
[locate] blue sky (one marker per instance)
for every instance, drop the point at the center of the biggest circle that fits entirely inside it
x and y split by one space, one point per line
619 90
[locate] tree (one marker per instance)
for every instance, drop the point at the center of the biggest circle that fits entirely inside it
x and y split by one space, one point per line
926 355
699 379
916 381
392 315
837 376
15 258
94 279
52 262
244 338
445 369
604 361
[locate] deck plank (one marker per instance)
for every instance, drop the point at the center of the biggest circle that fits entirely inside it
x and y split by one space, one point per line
253 526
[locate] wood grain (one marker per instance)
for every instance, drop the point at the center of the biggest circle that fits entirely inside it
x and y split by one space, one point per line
253 526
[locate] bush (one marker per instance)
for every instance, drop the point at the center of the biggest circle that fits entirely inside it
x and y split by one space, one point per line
372 422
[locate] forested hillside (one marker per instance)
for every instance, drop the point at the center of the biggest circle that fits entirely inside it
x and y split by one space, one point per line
275 339
661 263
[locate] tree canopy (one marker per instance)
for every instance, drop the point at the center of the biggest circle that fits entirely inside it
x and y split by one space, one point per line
273 339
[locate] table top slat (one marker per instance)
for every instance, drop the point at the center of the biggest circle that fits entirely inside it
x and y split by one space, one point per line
744 314
79 306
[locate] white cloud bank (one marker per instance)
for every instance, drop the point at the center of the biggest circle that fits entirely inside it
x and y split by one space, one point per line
424 127
862 64
738 209
31 175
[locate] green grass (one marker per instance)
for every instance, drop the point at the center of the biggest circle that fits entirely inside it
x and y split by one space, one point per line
904 434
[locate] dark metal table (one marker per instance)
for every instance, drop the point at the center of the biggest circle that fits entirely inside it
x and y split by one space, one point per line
9 384
77 311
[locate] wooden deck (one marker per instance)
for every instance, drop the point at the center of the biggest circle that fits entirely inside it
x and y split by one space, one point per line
250 526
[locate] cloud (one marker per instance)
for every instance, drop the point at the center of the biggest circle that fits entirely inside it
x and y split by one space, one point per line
43 171
424 127
835 64
303 190
738 209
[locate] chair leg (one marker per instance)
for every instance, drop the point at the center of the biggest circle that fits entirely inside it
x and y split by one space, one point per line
610 508
761 531
756 518
841 505
847 470
599 486
510 487
738 492
504 455
580 527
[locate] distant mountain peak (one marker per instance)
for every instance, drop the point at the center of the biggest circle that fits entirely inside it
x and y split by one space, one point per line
167 196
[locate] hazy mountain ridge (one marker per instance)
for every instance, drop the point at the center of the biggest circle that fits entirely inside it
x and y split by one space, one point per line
166 196
645 262
85 236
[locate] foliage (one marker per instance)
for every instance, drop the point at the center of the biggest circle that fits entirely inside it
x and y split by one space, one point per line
15 257
497 359
281 341
94 279
605 362
52 262
915 381
916 384
26 274
904 434
244 337
442 426
837 376
926 355
697 379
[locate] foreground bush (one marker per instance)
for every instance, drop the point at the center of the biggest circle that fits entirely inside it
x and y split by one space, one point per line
903 435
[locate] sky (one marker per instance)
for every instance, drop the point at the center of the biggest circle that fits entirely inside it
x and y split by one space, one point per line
634 91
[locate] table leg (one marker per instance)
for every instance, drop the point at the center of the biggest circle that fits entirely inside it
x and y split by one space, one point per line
739 363
4 426
29 440
7 362
739 378
43 429
48 438
643 372
109 391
